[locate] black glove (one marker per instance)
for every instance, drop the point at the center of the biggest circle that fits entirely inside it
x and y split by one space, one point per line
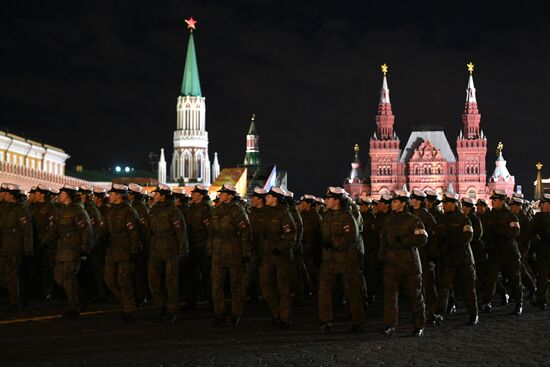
246 259
276 252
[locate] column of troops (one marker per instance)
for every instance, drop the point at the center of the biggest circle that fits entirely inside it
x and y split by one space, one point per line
159 248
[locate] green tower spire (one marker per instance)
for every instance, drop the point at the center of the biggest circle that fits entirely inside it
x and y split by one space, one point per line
191 85
252 156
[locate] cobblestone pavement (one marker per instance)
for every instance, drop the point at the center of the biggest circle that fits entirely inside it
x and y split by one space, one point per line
102 339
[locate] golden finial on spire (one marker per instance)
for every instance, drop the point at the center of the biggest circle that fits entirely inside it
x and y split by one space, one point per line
384 68
539 166
470 67
500 147
356 150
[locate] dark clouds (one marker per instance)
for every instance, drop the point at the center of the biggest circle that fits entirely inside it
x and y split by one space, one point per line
101 78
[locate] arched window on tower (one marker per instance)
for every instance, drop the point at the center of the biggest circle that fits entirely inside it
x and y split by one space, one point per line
415 170
198 165
472 193
186 164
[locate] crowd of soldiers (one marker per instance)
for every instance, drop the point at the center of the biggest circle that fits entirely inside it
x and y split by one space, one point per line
166 247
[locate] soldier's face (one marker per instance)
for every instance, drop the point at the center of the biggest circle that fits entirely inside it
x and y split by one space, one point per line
270 200
115 197
466 209
415 203
481 209
397 205
196 197
225 197
332 203
449 206
516 209
158 197
497 203
64 198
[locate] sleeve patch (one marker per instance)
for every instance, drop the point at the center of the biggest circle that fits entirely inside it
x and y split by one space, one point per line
206 222
420 232
468 228
347 228
81 223
242 224
514 224
177 224
130 226
23 220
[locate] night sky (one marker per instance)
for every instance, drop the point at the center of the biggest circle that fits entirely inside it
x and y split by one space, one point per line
100 78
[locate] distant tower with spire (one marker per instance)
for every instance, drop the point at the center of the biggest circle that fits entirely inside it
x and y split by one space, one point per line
252 156
501 179
190 160
356 184
162 167
471 147
384 145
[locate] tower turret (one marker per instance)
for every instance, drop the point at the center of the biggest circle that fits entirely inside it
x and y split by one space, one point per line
252 156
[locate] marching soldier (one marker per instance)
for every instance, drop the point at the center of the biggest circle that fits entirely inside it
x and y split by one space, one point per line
230 248
541 228
72 230
92 272
136 199
418 204
453 235
341 257
311 240
299 271
371 241
16 241
198 265
402 235
43 212
276 256
432 204
320 206
477 245
168 240
123 249
524 243
502 229
257 217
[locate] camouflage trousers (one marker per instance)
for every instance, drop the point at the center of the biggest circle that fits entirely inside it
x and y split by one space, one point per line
446 280
118 278
275 277
346 265
412 283
250 277
9 278
164 295
219 274
196 276
66 275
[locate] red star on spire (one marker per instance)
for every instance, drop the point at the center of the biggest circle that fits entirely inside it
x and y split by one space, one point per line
191 23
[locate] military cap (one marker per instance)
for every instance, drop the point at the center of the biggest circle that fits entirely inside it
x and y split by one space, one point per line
431 194
418 194
450 197
482 201
86 189
335 192
228 188
518 195
201 189
277 192
163 189
498 194
545 198
320 201
118 188
12 188
467 201
42 188
135 188
386 199
54 191
69 189
365 200
259 192
516 201
180 193
100 191
402 195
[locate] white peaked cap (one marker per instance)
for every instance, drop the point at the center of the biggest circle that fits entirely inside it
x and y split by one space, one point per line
419 193
467 200
259 191
135 188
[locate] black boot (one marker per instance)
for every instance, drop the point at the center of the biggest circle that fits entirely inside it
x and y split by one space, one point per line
438 319
235 320
487 308
326 327
357 328
418 332
389 330
474 320
518 310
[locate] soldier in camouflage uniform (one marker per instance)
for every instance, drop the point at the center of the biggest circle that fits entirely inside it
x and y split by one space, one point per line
524 244
371 241
230 248
43 212
167 237
502 229
311 240
477 245
541 228
276 254
402 235
453 235
257 218
197 267
16 241
136 199
418 204
341 257
123 249
72 230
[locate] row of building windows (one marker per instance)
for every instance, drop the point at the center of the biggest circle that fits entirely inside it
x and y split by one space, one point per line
32 163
